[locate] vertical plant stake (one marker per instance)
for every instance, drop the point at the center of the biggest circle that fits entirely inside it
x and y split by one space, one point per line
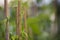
7 21
18 21
25 23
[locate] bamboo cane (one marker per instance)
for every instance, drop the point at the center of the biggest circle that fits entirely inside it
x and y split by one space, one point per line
7 22
25 23
18 30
